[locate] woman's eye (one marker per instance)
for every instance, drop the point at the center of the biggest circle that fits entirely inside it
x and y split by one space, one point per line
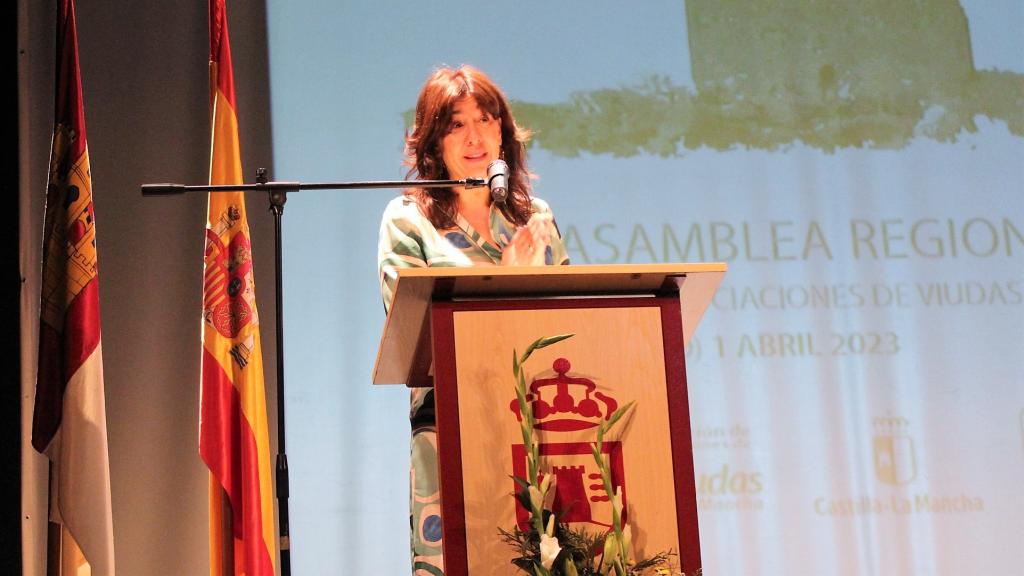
455 126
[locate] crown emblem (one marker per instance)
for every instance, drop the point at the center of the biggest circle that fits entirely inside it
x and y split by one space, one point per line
562 411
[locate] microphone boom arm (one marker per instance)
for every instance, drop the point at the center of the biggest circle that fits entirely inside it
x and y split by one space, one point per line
174 189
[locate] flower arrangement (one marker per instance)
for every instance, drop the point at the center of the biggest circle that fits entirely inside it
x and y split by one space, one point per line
553 548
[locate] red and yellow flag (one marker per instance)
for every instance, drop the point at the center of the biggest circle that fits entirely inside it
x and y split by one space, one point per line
69 422
233 438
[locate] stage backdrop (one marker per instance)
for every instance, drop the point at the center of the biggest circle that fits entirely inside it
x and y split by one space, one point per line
857 387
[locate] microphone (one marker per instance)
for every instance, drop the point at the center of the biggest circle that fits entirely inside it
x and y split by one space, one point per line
162 189
497 180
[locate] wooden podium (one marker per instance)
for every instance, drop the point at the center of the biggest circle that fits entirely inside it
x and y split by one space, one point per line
456 329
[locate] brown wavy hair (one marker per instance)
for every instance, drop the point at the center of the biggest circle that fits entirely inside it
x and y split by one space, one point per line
423 152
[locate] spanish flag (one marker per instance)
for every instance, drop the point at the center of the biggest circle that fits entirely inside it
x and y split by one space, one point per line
233 438
69 422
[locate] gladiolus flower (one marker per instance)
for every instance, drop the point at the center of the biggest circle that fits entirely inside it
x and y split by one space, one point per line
545 482
549 550
549 491
536 500
610 550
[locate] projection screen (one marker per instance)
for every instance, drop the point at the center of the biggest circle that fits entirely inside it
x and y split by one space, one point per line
857 386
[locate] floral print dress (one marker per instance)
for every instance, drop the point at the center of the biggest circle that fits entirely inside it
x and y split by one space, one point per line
409 240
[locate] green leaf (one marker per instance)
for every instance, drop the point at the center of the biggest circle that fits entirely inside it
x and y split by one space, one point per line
617 415
533 345
524 406
545 342
529 350
527 437
606 479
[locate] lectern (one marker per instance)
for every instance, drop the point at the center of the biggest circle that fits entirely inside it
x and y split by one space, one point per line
457 328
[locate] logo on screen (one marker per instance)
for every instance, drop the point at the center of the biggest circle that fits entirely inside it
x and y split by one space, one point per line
895 460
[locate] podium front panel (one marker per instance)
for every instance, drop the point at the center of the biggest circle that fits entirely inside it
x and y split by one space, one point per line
624 350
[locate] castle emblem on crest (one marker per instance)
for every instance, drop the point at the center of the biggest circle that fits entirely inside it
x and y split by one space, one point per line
895 460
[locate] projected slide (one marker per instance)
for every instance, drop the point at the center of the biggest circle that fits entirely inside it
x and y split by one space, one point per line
857 387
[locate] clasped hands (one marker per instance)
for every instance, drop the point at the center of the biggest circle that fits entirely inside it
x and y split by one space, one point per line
529 243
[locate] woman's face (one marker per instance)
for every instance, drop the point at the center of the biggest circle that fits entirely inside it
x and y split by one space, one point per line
473 141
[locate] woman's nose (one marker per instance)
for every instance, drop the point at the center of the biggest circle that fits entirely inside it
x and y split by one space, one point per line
472 132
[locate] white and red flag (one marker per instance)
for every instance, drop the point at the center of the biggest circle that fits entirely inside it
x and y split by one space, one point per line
69 423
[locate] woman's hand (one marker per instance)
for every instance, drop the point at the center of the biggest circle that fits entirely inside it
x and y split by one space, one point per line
529 244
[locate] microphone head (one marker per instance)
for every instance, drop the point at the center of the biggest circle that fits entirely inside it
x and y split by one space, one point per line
497 180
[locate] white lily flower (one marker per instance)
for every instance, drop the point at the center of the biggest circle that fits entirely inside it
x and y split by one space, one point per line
549 550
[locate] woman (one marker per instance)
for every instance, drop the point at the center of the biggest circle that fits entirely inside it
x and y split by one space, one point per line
462 124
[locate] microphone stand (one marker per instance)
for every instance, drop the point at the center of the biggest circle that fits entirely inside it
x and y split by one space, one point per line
278 195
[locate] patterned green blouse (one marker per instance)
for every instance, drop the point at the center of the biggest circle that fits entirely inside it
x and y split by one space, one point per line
409 240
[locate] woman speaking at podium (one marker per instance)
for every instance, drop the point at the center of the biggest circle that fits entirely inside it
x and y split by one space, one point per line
463 123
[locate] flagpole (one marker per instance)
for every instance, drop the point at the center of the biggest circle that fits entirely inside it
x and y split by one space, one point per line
277 193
